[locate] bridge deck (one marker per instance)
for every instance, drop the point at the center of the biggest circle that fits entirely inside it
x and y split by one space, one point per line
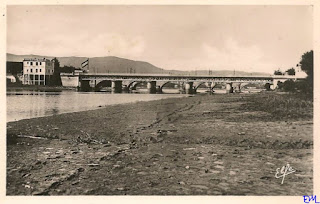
190 78
142 75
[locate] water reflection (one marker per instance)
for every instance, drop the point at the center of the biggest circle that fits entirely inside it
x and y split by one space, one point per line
22 104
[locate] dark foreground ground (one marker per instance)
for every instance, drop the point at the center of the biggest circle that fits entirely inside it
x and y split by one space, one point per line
202 145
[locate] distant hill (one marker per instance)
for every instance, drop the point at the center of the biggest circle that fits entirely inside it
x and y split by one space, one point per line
19 58
120 65
98 64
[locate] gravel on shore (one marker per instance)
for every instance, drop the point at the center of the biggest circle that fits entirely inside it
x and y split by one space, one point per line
201 145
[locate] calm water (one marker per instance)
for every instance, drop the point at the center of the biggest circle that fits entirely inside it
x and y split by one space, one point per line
32 104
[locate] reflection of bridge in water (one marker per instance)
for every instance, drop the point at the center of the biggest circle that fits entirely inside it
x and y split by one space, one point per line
187 84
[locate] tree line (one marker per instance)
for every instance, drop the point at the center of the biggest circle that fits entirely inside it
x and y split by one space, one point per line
304 86
56 78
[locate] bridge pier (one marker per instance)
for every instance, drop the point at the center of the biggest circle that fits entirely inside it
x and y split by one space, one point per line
211 87
274 84
158 89
189 87
125 89
237 88
116 86
85 85
229 88
181 88
151 87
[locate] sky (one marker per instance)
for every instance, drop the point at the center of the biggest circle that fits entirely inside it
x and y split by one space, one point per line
244 38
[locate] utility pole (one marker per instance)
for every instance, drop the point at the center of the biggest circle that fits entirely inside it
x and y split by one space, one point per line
88 65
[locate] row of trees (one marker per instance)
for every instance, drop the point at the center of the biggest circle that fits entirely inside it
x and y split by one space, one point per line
303 86
290 71
56 79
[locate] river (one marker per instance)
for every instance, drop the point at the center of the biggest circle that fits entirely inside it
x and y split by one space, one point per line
31 104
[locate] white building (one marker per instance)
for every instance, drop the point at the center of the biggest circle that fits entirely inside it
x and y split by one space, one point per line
37 71
11 78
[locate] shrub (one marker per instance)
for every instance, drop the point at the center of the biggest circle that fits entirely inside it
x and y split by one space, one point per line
281 106
280 85
289 86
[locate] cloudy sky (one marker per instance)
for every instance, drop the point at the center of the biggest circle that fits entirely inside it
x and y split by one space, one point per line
248 38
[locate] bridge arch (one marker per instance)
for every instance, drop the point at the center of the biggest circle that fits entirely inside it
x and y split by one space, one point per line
102 84
254 86
242 85
129 86
161 85
209 84
133 85
197 85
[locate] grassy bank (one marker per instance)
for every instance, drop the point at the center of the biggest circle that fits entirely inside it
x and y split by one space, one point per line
281 106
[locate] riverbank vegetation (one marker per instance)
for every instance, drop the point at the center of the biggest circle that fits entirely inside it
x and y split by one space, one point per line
281 106
305 86
293 99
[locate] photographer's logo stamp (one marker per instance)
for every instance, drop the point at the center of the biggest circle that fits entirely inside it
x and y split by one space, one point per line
284 171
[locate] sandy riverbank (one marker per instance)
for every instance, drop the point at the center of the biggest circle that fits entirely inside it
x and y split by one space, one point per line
202 145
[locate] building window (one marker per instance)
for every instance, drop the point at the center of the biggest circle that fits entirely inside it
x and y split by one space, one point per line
36 77
40 63
31 77
40 70
41 77
36 63
27 70
31 70
36 70
31 63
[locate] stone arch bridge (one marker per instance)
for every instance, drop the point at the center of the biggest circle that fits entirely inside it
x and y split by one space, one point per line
188 84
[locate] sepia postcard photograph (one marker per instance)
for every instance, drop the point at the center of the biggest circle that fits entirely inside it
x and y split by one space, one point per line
160 100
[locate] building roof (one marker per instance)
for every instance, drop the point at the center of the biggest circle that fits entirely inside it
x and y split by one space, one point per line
36 59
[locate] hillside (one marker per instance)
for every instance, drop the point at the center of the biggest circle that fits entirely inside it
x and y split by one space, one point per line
113 64
120 65
98 64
